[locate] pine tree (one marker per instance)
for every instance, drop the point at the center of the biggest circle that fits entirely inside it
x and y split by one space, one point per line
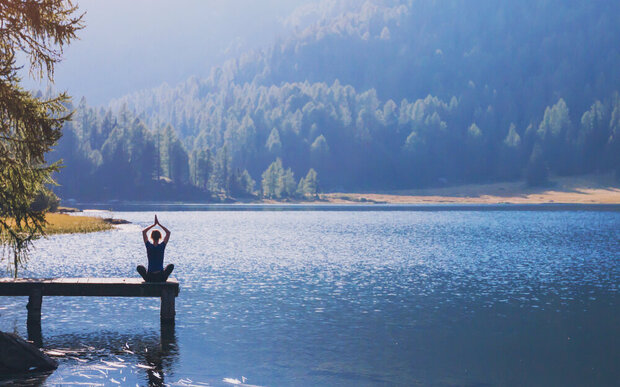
536 173
220 178
201 167
273 144
286 185
270 179
29 126
242 184
553 132
309 185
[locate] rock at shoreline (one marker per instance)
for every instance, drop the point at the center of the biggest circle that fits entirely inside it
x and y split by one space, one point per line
66 210
18 356
116 221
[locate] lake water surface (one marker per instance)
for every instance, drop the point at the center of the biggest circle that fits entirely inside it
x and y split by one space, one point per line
342 298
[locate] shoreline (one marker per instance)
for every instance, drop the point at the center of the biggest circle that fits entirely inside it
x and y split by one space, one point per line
583 196
587 189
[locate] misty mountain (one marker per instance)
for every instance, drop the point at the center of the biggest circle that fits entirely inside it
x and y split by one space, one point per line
133 45
394 94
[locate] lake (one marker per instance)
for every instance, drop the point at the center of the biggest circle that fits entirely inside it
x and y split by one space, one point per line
361 296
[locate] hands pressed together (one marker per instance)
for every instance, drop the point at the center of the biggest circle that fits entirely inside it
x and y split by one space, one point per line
156 223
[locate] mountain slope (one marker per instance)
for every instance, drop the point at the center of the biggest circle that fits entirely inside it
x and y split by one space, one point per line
398 94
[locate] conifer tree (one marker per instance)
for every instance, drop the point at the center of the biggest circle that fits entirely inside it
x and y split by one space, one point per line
310 184
270 179
286 185
29 125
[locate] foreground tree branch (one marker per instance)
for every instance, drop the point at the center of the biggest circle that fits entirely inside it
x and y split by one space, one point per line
29 126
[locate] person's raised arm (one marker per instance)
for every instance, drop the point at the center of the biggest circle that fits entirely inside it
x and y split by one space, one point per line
144 236
167 237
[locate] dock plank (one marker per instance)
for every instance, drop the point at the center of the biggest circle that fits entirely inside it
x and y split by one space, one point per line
102 287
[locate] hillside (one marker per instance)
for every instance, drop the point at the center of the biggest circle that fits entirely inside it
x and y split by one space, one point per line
383 95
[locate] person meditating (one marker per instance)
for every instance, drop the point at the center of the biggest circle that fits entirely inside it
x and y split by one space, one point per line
155 254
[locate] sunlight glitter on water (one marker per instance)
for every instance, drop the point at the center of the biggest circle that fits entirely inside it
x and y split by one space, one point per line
341 298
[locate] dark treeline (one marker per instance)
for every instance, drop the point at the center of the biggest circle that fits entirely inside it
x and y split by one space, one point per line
394 94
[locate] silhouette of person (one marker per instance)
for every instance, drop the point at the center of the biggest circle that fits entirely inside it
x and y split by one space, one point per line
155 255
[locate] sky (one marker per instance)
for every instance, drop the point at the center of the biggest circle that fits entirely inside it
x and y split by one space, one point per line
133 45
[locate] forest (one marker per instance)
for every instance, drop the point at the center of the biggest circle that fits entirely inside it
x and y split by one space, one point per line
387 95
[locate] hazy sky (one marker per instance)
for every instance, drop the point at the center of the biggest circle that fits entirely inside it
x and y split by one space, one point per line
137 44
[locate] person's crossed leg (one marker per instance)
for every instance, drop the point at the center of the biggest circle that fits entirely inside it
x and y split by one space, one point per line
157 276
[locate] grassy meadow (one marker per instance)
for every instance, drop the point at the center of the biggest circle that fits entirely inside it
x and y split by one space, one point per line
68 224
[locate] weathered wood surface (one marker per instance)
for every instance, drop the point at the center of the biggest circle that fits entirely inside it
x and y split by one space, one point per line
35 300
95 287
35 289
167 310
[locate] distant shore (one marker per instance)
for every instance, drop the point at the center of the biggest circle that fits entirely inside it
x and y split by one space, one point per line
586 189
590 189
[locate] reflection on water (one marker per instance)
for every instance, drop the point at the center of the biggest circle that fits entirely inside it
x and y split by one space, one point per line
108 357
102 358
345 298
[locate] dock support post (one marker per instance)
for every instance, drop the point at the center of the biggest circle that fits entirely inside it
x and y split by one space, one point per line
167 305
34 306
34 333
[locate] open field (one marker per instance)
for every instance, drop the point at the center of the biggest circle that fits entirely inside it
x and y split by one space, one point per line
589 189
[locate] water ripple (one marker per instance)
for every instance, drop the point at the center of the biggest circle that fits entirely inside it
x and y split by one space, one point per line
341 298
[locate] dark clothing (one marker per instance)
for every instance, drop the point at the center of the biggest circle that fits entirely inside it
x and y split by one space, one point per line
157 276
155 255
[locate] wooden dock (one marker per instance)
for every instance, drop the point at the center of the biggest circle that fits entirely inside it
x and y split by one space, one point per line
36 289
